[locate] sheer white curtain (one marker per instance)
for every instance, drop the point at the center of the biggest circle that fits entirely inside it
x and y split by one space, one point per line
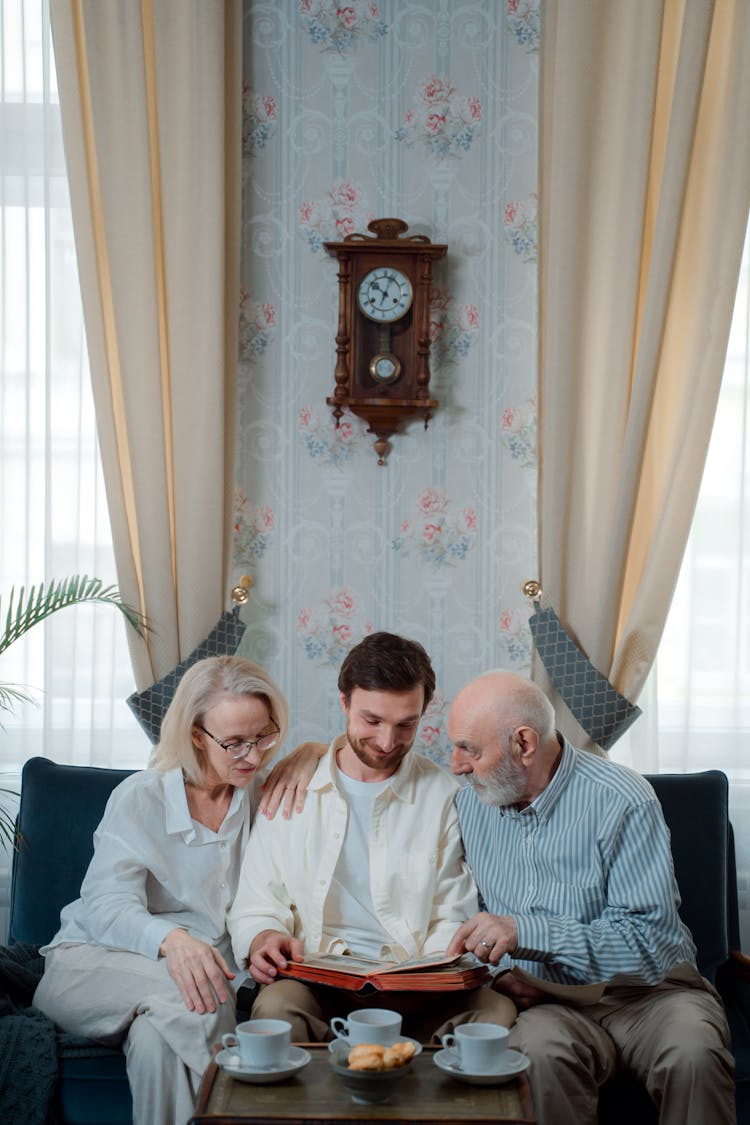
53 511
697 701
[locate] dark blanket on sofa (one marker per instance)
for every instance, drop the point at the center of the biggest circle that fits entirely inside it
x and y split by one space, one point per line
28 1049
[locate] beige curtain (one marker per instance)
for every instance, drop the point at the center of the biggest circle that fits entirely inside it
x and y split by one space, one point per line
151 99
644 191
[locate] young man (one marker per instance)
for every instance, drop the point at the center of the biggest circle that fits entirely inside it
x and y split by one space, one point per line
571 856
373 865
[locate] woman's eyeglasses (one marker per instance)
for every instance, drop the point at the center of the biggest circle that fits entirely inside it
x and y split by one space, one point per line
237 750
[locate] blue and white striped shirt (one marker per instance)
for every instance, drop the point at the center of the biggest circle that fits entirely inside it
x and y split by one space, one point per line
586 872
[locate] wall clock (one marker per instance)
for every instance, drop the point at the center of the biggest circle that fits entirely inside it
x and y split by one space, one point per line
383 334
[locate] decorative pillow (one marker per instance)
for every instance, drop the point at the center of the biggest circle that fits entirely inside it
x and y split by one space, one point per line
600 709
149 706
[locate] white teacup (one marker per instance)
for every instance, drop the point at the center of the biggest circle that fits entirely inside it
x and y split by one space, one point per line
480 1046
368 1025
260 1044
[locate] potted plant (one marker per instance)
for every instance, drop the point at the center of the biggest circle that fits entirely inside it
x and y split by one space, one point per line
27 610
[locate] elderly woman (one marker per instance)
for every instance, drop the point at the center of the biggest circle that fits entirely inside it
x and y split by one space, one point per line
143 957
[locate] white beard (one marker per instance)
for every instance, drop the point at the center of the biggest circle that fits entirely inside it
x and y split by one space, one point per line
504 785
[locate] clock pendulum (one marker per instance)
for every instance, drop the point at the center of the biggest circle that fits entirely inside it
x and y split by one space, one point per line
385 367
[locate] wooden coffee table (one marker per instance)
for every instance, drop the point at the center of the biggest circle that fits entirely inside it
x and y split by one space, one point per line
315 1095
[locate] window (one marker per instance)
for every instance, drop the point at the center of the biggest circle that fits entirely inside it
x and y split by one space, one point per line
53 509
697 701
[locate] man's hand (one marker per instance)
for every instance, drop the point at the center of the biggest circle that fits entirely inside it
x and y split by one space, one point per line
270 951
523 994
198 970
487 936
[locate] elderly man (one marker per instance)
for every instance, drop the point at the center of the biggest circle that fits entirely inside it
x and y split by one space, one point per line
372 866
571 856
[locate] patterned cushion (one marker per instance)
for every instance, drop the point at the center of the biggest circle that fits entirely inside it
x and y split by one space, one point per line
600 709
149 706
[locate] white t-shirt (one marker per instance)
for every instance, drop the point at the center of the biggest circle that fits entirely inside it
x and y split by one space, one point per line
349 908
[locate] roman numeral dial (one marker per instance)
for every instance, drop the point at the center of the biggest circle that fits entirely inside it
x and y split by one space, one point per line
385 295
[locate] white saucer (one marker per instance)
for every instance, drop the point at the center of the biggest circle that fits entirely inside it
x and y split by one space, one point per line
230 1062
339 1040
514 1063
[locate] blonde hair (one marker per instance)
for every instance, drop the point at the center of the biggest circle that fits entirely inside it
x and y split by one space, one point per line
197 692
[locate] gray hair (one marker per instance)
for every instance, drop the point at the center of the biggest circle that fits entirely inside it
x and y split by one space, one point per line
518 702
197 692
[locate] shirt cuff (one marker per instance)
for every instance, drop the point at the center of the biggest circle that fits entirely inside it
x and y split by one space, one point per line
534 938
152 935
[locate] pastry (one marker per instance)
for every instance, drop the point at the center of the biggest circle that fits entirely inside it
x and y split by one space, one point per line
398 1055
367 1056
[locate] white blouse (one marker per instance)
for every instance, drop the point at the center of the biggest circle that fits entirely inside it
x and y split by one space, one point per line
154 869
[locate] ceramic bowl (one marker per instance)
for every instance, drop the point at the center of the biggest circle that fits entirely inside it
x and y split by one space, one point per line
368 1087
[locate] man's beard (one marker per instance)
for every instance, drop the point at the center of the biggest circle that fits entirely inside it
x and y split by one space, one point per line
504 785
386 763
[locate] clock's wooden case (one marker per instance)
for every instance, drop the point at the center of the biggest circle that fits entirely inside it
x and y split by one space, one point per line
385 407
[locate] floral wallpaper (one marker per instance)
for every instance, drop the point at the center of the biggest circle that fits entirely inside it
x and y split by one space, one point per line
426 111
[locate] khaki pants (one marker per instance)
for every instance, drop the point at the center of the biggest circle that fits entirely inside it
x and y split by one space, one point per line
120 998
673 1038
427 1015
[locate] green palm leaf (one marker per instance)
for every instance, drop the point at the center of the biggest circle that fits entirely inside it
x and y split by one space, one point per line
29 609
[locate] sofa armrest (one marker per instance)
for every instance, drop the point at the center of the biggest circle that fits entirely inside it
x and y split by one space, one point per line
739 964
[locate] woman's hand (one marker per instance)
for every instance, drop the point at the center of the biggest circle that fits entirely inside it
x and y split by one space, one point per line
198 970
287 782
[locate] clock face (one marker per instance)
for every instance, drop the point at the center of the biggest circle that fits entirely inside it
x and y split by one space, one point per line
385 294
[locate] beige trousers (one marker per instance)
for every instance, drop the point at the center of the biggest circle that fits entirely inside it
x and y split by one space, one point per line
120 998
427 1015
674 1038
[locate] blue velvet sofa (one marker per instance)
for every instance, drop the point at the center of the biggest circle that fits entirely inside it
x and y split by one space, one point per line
61 806
59 811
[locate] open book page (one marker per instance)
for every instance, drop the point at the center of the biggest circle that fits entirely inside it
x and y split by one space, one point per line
578 994
366 966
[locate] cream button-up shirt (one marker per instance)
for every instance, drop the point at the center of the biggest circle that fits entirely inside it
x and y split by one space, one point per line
422 889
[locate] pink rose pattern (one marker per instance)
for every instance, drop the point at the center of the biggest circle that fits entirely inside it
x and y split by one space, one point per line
442 120
523 18
253 526
257 322
341 27
259 114
454 328
520 226
519 425
440 533
336 625
516 636
342 211
432 739
327 443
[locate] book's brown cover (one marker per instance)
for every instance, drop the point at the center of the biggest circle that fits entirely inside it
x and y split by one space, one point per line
430 974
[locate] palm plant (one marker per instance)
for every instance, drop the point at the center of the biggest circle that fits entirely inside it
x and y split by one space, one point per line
29 609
